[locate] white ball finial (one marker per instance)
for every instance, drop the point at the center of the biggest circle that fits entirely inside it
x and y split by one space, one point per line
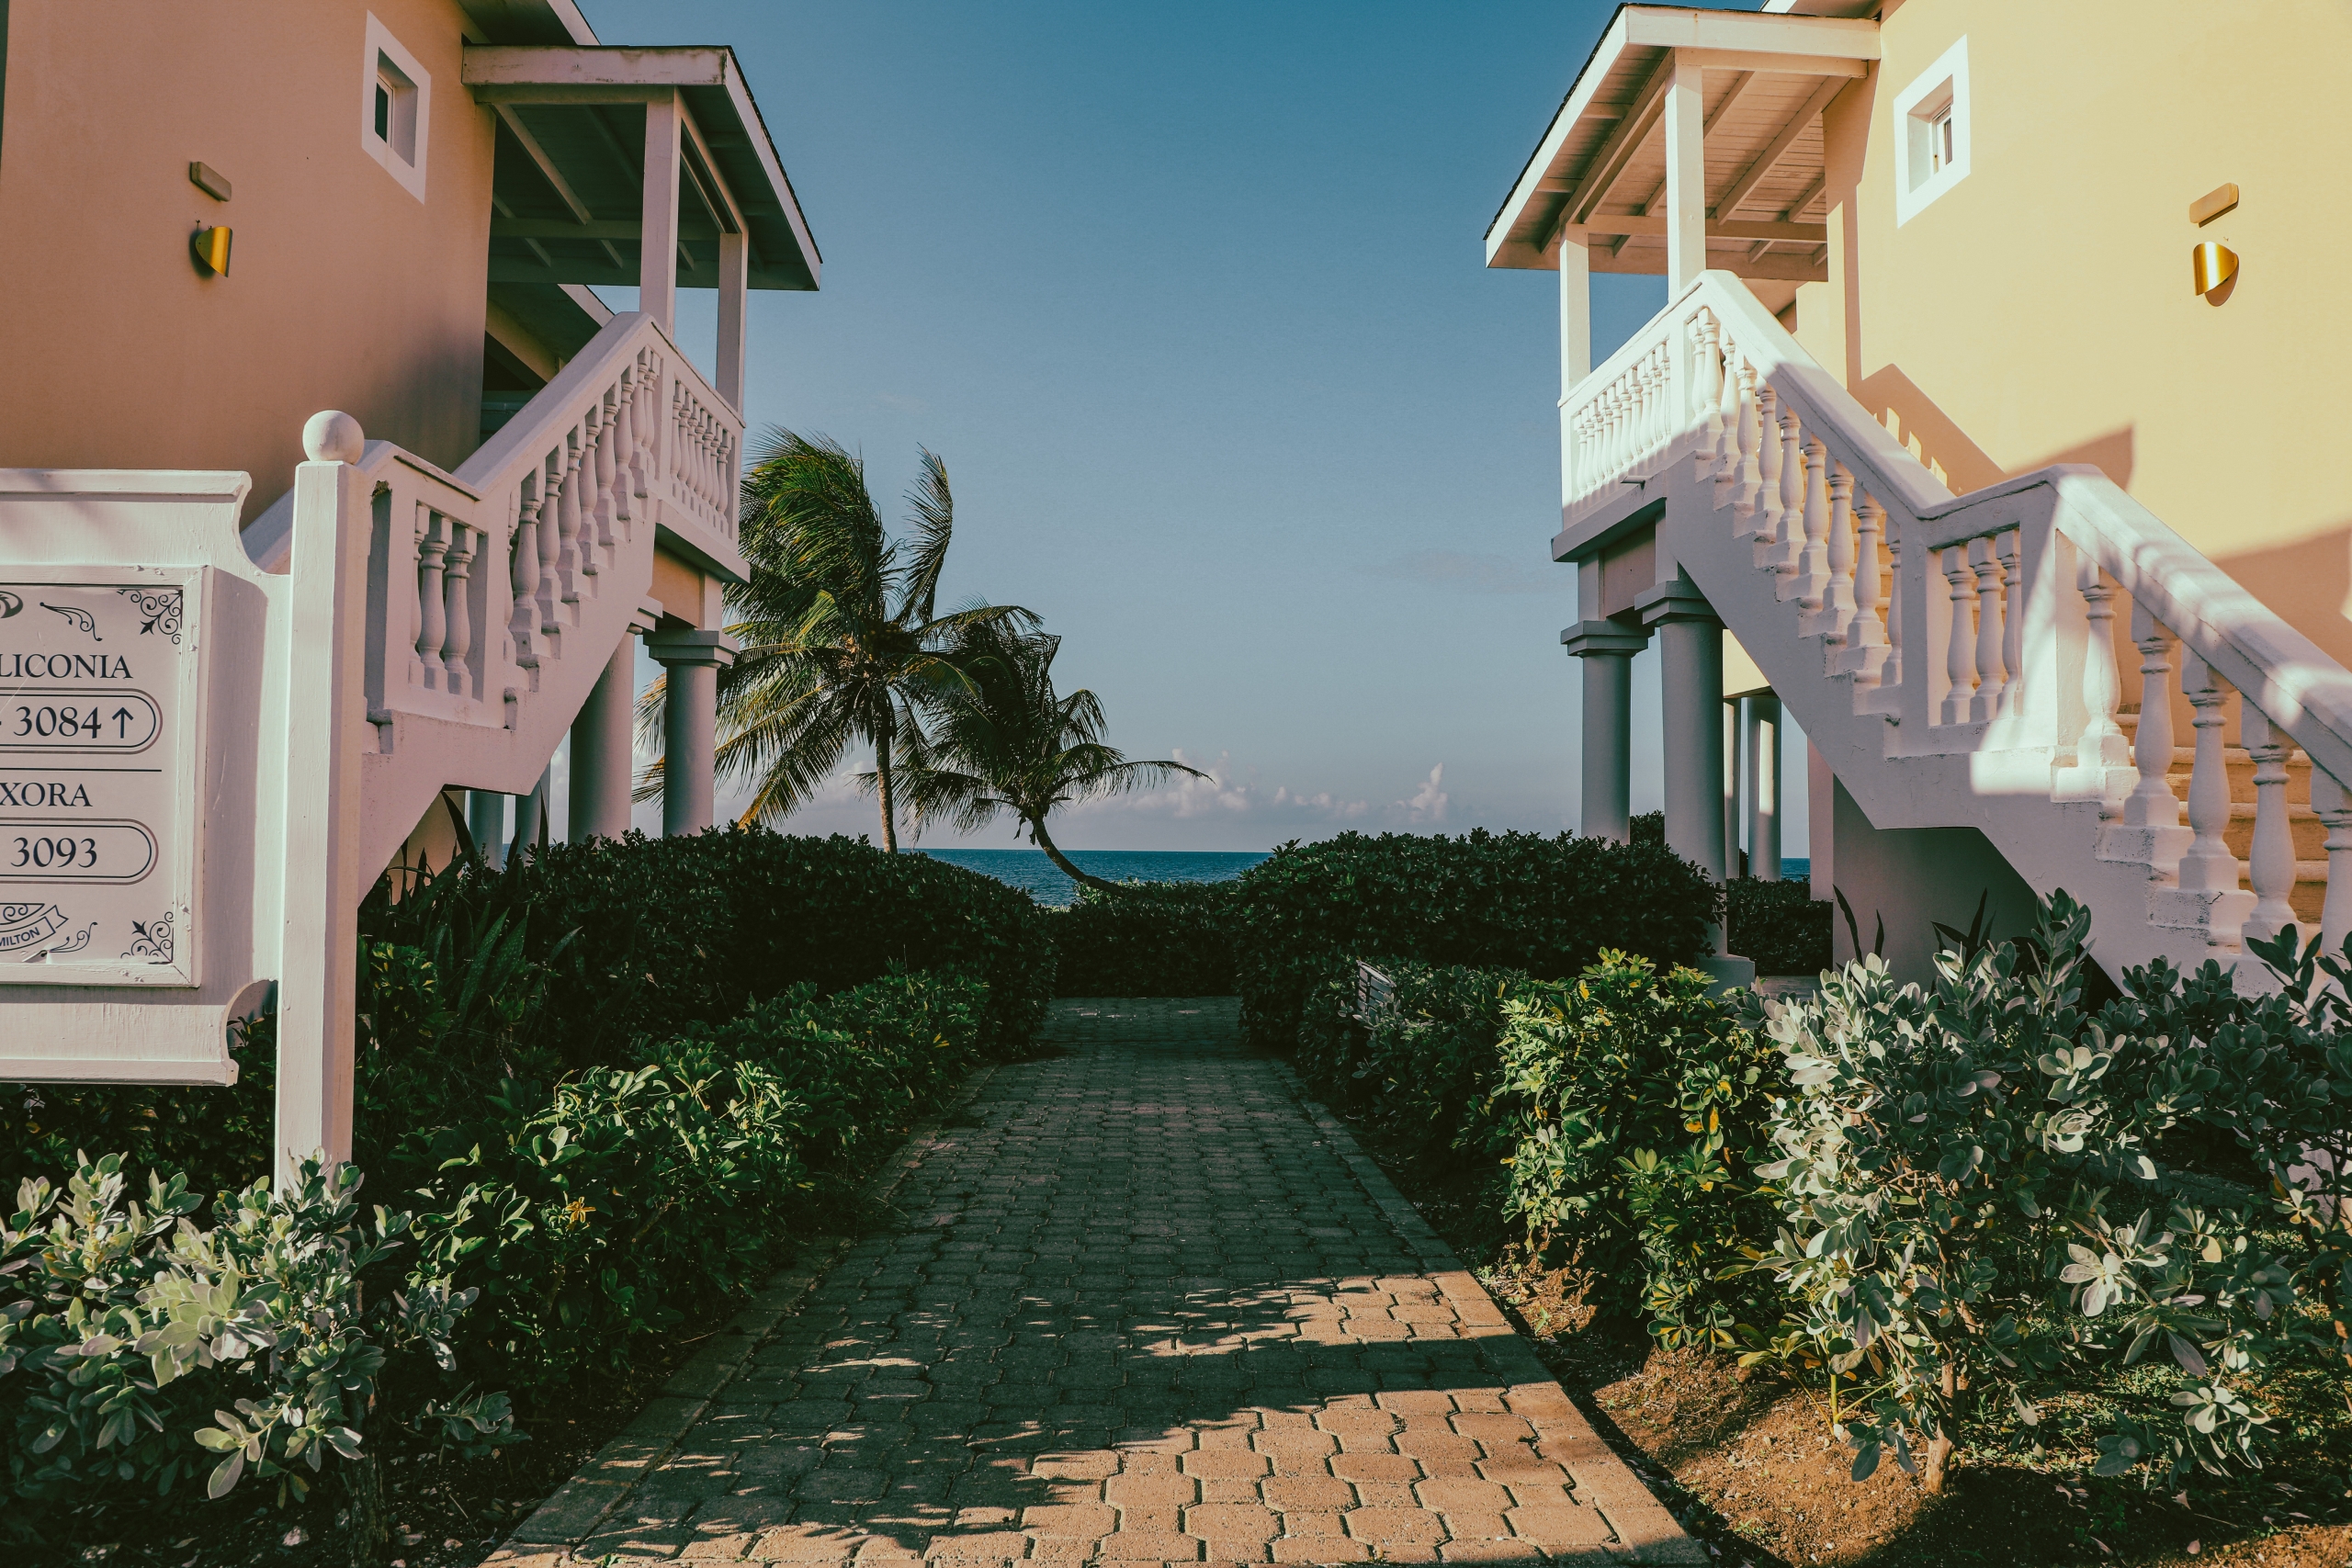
333 437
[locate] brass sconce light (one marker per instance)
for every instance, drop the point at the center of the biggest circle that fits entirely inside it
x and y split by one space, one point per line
211 250
2212 263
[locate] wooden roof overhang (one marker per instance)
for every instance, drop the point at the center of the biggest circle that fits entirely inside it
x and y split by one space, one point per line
566 197
1600 169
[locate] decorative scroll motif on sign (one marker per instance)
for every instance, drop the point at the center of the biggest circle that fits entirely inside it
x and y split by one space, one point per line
153 939
162 608
23 926
81 620
9 603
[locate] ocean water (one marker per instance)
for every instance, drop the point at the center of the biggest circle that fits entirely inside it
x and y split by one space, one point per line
1030 871
1799 870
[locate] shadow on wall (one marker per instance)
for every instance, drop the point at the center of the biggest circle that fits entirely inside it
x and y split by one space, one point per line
1938 440
1913 879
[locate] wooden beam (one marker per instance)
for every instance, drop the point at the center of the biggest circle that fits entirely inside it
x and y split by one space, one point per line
545 164
1766 63
1717 228
1618 150
1778 148
1804 199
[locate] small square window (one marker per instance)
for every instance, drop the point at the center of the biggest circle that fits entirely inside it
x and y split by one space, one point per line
395 108
1931 134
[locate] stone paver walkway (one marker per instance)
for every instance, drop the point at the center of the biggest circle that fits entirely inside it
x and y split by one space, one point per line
1148 1304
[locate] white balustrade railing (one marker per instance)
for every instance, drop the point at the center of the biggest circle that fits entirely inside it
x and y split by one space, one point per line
1988 624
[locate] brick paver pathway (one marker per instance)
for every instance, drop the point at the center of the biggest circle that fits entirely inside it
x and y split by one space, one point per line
1148 1304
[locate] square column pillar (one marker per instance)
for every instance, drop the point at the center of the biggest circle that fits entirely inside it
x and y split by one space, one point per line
1731 866
602 761
486 820
530 816
1606 650
690 660
657 254
1686 175
734 292
1764 788
1575 309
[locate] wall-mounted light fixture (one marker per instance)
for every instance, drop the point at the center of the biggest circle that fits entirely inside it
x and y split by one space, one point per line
2212 263
209 180
210 247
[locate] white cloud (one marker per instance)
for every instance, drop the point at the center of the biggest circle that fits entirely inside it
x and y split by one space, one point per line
1428 804
1226 792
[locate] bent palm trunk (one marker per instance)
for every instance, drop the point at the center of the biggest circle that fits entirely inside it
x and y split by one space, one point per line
1045 841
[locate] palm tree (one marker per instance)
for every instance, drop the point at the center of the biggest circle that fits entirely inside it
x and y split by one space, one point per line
1003 740
841 640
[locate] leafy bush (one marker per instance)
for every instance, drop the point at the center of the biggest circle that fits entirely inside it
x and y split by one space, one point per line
596 1213
1976 1218
1147 939
137 1347
1420 1072
643 935
1497 900
1629 1107
1777 925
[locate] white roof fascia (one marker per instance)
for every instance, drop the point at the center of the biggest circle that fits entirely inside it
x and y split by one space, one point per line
1743 40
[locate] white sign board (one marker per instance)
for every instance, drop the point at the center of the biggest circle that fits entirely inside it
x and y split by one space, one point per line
100 703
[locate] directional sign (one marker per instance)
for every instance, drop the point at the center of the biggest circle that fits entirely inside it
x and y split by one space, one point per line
98 765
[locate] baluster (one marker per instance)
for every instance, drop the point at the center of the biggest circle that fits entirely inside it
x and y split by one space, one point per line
2100 751
553 589
457 649
1766 525
1992 675
1890 673
1960 657
1793 469
1727 455
599 421
432 617
2007 547
2334 812
2270 860
1837 593
1748 474
1865 636
576 563
524 570
623 511
1812 563
634 381
1707 387
1661 413
2207 868
2151 802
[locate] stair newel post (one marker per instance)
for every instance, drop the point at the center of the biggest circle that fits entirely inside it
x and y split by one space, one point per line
525 612
1991 674
2207 868
2270 860
1837 593
457 570
2330 805
1766 528
1748 476
1707 386
1786 560
2007 546
1960 655
2151 802
430 616
2100 750
1813 561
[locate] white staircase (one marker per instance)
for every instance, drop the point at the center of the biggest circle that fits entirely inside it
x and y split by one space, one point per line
497 594
1955 658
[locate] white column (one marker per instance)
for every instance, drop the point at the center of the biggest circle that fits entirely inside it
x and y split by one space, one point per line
530 814
692 660
327 732
1575 309
1606 648
657 265
1686 176
1731 866
486 820
1690 673
734 289
1764 788
602 763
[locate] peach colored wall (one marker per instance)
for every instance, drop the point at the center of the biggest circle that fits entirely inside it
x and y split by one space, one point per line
345 291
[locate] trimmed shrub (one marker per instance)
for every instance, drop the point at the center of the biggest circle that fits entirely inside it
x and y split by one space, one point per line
1629 1108
1544 905
1147 939
1777 925
1420 1071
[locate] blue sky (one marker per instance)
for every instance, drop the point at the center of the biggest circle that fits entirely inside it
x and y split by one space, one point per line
1191 300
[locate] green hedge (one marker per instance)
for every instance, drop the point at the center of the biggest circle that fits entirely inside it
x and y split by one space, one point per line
1147 939
1419 1070
1777 925
1544 905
